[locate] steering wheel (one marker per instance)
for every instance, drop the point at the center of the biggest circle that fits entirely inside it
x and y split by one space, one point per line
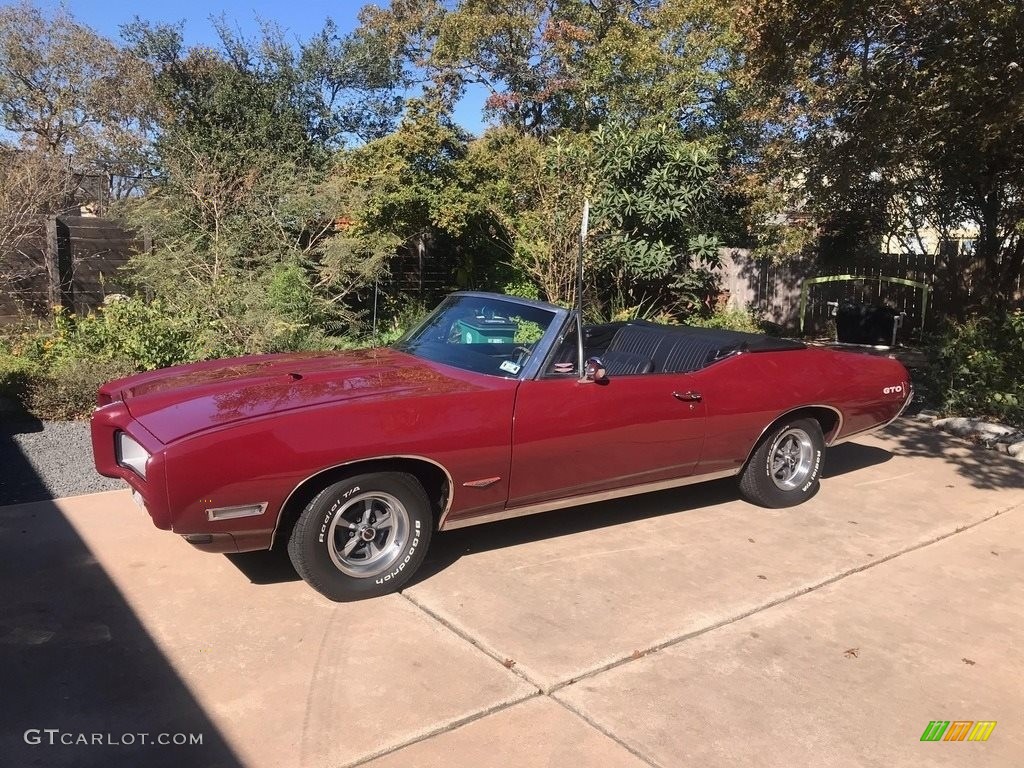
524 354
454 336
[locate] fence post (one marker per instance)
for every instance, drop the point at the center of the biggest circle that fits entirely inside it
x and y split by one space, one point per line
52 262
58 263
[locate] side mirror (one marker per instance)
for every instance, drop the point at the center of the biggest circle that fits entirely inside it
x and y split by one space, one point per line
594 370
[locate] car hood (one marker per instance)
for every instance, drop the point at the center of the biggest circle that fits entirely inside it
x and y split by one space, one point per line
176 402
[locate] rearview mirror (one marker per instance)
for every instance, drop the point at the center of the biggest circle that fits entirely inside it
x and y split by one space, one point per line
594 370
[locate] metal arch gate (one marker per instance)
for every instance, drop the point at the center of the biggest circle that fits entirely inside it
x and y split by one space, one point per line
810 282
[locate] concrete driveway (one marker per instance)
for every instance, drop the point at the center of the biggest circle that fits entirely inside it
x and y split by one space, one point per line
681 628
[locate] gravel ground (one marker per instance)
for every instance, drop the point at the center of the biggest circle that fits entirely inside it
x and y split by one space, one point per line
47 460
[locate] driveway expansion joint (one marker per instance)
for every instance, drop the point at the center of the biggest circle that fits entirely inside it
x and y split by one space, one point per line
643 653
541 691
550 691
455 724
513 668
607 733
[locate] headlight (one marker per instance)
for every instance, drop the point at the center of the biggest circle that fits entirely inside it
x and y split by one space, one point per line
131 455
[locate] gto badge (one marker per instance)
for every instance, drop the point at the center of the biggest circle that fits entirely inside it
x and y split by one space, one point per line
893 390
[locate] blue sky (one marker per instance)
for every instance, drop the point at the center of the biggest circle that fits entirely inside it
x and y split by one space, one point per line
299 18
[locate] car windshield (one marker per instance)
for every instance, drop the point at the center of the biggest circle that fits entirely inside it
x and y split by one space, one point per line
482 334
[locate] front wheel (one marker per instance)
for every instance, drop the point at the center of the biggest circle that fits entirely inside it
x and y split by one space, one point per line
362 537
785 468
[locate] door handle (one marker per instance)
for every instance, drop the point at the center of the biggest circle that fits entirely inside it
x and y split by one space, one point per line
688 397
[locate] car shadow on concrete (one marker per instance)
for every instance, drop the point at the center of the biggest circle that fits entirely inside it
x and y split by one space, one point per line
851 457
448 547
75 659
273 567
269 566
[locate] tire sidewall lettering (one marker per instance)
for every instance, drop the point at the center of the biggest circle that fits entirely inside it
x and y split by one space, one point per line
325 521
413 545
812 478
311 548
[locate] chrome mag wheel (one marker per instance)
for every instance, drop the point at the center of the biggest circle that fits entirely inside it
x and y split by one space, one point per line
791 459
368 534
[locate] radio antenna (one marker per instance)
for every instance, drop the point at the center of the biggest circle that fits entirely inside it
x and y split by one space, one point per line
579 286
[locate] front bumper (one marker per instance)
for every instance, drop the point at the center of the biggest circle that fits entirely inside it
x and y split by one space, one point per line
247 541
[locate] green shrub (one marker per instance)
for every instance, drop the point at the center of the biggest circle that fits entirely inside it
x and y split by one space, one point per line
523 288
624 306
730 319
292 321
128 330
977 368
68 390
527 331
396 316
384 338
54 371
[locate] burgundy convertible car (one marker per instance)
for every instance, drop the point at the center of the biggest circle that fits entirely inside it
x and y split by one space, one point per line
493 407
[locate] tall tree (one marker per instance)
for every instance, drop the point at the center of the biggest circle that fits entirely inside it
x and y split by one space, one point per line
357 86
656 209
243 214
67 91
631 103
898 115
553 65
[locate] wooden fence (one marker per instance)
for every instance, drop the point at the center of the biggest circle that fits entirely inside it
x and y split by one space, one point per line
75 261
773 289
71 261
418 269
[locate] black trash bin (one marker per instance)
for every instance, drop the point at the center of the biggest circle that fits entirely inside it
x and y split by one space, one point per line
865 324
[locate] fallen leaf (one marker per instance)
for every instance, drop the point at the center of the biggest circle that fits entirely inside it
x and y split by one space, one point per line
509 663
968 662
851 653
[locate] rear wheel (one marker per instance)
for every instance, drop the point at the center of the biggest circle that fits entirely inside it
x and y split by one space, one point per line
362 537
785 468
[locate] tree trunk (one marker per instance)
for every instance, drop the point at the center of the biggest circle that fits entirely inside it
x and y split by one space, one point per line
992 294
